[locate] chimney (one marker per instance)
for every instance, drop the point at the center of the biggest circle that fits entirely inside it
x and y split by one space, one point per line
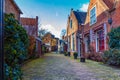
36 26
71 9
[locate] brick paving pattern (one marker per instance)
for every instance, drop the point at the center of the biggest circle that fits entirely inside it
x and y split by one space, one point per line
58 67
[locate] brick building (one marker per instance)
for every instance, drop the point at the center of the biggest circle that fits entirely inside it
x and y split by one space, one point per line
48 40
11 7
31 26
102 15
74 23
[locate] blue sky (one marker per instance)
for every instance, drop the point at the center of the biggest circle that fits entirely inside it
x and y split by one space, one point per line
52 13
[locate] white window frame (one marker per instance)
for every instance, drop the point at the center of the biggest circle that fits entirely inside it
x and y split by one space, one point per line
95 15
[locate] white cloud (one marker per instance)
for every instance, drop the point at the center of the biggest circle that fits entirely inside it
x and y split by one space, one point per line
84 7
52 29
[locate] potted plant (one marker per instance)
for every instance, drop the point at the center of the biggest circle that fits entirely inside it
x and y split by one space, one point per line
68 53
75 55
65 53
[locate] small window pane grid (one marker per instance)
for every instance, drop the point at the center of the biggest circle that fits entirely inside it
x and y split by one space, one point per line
93 16
100 40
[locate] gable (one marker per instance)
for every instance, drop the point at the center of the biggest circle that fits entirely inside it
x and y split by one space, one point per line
101 9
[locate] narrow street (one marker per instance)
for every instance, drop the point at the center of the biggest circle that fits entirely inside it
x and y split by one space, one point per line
59 67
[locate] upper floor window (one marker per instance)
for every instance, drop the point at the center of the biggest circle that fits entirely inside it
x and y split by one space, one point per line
70 23
93 18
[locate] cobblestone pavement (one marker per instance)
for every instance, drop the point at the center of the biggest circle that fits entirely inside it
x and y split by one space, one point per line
58 67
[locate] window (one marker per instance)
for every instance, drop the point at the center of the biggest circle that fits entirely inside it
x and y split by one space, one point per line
87 43
93 16
73 42
100 40
70 23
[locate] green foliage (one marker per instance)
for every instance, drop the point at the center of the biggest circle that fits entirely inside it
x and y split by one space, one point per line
75 54
112 56
68 53
15 47
65 53
114 38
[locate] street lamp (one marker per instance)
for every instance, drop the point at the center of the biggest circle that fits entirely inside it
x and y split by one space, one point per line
110 22
1 41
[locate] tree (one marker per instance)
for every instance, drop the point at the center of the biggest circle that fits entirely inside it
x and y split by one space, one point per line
42 32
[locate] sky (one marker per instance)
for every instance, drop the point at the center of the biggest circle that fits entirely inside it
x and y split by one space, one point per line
53 14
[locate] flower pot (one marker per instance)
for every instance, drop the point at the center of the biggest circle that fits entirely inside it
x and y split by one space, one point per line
82 59
69 54
75 56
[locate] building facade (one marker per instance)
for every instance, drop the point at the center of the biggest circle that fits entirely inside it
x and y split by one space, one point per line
31 27
75 20
10 6
102 15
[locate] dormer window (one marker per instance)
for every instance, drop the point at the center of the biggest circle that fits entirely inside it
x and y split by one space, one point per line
93 18
70 23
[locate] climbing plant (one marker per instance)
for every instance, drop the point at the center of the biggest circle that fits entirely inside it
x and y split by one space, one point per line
15 47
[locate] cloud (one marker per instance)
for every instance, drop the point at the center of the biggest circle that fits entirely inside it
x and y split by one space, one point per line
52 29
84 7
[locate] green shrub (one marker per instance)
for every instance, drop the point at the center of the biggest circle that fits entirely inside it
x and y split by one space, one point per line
112 57
114 38
68 53
65 53
75 54
15 47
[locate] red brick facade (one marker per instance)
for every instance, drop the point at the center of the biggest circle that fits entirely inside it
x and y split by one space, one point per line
30 25
95 35
11 7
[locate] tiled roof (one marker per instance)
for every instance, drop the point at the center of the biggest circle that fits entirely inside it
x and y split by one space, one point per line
109 3
28 21
81 16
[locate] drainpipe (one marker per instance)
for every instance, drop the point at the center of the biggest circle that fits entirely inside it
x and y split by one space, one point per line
1 41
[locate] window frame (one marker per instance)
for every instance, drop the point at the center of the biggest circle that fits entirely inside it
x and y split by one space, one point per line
71 22
92 15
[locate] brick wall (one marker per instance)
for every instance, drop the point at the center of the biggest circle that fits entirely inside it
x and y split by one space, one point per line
11 7
72 30
30 25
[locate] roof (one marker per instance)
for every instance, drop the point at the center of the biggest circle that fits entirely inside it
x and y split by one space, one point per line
28 21
81 16
109 3
16 6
